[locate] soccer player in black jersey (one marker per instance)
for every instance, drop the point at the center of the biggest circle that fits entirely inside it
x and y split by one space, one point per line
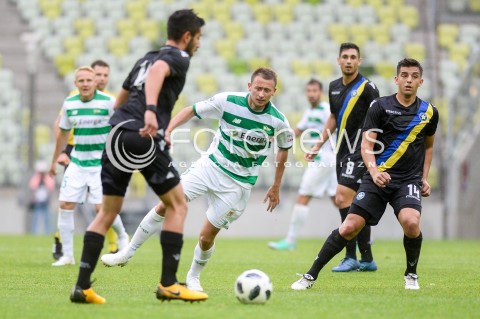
144 107
397 148
350 96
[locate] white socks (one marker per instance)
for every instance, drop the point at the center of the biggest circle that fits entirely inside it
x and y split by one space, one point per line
66 229
200 259
119 228
299 216
150 224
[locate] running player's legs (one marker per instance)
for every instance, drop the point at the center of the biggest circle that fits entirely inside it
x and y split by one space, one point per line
316 181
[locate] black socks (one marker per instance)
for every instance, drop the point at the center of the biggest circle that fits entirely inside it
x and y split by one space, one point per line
171 247
92 246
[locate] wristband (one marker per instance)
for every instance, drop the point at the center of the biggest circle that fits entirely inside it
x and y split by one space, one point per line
151 107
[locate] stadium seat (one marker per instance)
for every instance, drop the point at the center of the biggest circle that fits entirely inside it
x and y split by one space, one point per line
355 3
323 68
153 30
283 13
257 62
73 45
447 34
380 33
400 33
474 5
387 15
207 83
359 34
225 48
84 27
262 13
409 16
469 33
136 10
415 50
127 28
51 8
63 27
233 30
301 68
385 69
118 46
366 15
338 32
65 63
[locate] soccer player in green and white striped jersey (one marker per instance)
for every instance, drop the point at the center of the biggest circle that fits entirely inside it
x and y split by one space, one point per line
249 124
87 113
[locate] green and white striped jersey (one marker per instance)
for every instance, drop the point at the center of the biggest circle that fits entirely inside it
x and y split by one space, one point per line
313 121
244 137
89 121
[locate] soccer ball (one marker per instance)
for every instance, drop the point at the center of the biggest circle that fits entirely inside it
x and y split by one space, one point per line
253 287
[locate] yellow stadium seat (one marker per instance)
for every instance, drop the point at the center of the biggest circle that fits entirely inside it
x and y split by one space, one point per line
127 28
375 3
262 12
355 3
415 50
136 10
338 32
359 34
323 68
138 186
256 63
207 83
118 46
234 30
283 13
221 12
225 48
152 30
202 9
387 15
409 16
65 63
73 45
84 27
385 69
447 34
51 9
42 134
459 53
380 33
397 4
302 68
474 5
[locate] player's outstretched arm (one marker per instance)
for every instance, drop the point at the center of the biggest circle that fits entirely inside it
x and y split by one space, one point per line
381 179
328 130
273 193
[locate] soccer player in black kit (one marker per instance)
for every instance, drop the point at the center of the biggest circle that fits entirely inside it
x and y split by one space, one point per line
145 103
397 148
350 96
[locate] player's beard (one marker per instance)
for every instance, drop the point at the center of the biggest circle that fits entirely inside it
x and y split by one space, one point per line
190 49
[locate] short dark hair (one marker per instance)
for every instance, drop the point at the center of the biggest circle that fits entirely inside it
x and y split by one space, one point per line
182 21
409 62
266 73
348 45
315 82
99 63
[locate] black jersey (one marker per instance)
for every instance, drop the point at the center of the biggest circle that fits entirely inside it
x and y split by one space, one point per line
135 106
349 104
402 135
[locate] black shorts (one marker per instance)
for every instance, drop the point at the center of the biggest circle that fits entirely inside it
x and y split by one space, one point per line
128 152
371 201
350 172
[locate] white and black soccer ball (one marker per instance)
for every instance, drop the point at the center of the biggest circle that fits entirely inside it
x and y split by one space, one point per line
253 287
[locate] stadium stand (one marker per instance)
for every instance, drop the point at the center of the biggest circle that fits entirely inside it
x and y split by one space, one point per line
299 39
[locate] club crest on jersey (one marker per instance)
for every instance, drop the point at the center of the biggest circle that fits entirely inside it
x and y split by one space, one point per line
423 117
360 195
354 93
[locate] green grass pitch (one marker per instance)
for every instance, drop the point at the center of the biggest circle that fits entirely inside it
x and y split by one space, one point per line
449 278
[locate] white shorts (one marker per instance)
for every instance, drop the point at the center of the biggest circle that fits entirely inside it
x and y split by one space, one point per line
319 180
77 181
227 199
